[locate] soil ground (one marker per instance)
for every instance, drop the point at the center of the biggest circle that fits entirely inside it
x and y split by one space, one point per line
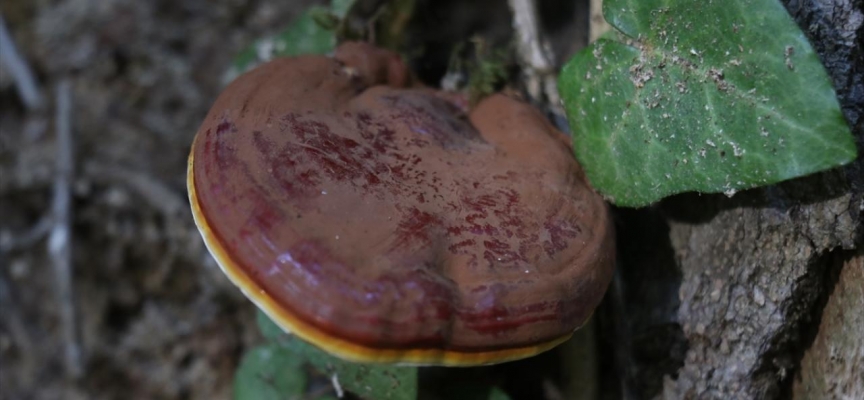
157 320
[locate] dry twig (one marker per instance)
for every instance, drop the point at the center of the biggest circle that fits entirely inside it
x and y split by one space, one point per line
534 53
59 241
17 328
153 191
16 241
599 26
25 82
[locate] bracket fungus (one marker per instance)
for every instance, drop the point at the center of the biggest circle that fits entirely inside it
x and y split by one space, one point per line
383 222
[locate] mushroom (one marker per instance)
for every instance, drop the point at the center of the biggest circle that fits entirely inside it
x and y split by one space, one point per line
383 223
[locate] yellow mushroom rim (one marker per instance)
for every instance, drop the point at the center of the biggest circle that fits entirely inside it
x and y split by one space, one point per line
338 346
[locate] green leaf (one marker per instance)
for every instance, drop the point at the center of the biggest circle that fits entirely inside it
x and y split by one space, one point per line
497 394
268 328
392 21
313 32
370 381
303 36
365 380
269 372
325 19
340 7
708 96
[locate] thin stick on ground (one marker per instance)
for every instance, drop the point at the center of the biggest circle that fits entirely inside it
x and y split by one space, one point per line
17 328
15 64
21 240
534 53
59 242
153 191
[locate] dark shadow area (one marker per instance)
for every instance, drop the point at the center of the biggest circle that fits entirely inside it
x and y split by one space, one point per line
564 24
639 322
440 25
440 383
698 208
789 346
613 360
525 379
521 380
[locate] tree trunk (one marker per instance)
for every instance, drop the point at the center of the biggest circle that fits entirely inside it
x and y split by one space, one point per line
720 298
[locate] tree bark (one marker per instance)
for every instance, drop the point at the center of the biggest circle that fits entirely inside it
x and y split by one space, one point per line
833 367
720 297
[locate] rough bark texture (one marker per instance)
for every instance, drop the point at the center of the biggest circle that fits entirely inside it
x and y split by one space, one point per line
834 366
754 270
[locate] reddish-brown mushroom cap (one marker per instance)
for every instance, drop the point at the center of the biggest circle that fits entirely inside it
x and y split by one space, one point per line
381 223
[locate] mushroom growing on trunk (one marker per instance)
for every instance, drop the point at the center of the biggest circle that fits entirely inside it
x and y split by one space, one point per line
385 223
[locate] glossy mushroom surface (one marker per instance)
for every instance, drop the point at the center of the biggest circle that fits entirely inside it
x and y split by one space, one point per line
383 223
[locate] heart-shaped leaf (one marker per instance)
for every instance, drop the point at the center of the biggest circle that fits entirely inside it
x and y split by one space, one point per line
708 96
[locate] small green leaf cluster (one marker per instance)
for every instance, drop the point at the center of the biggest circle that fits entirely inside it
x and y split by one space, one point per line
312 32
284 369
281 369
